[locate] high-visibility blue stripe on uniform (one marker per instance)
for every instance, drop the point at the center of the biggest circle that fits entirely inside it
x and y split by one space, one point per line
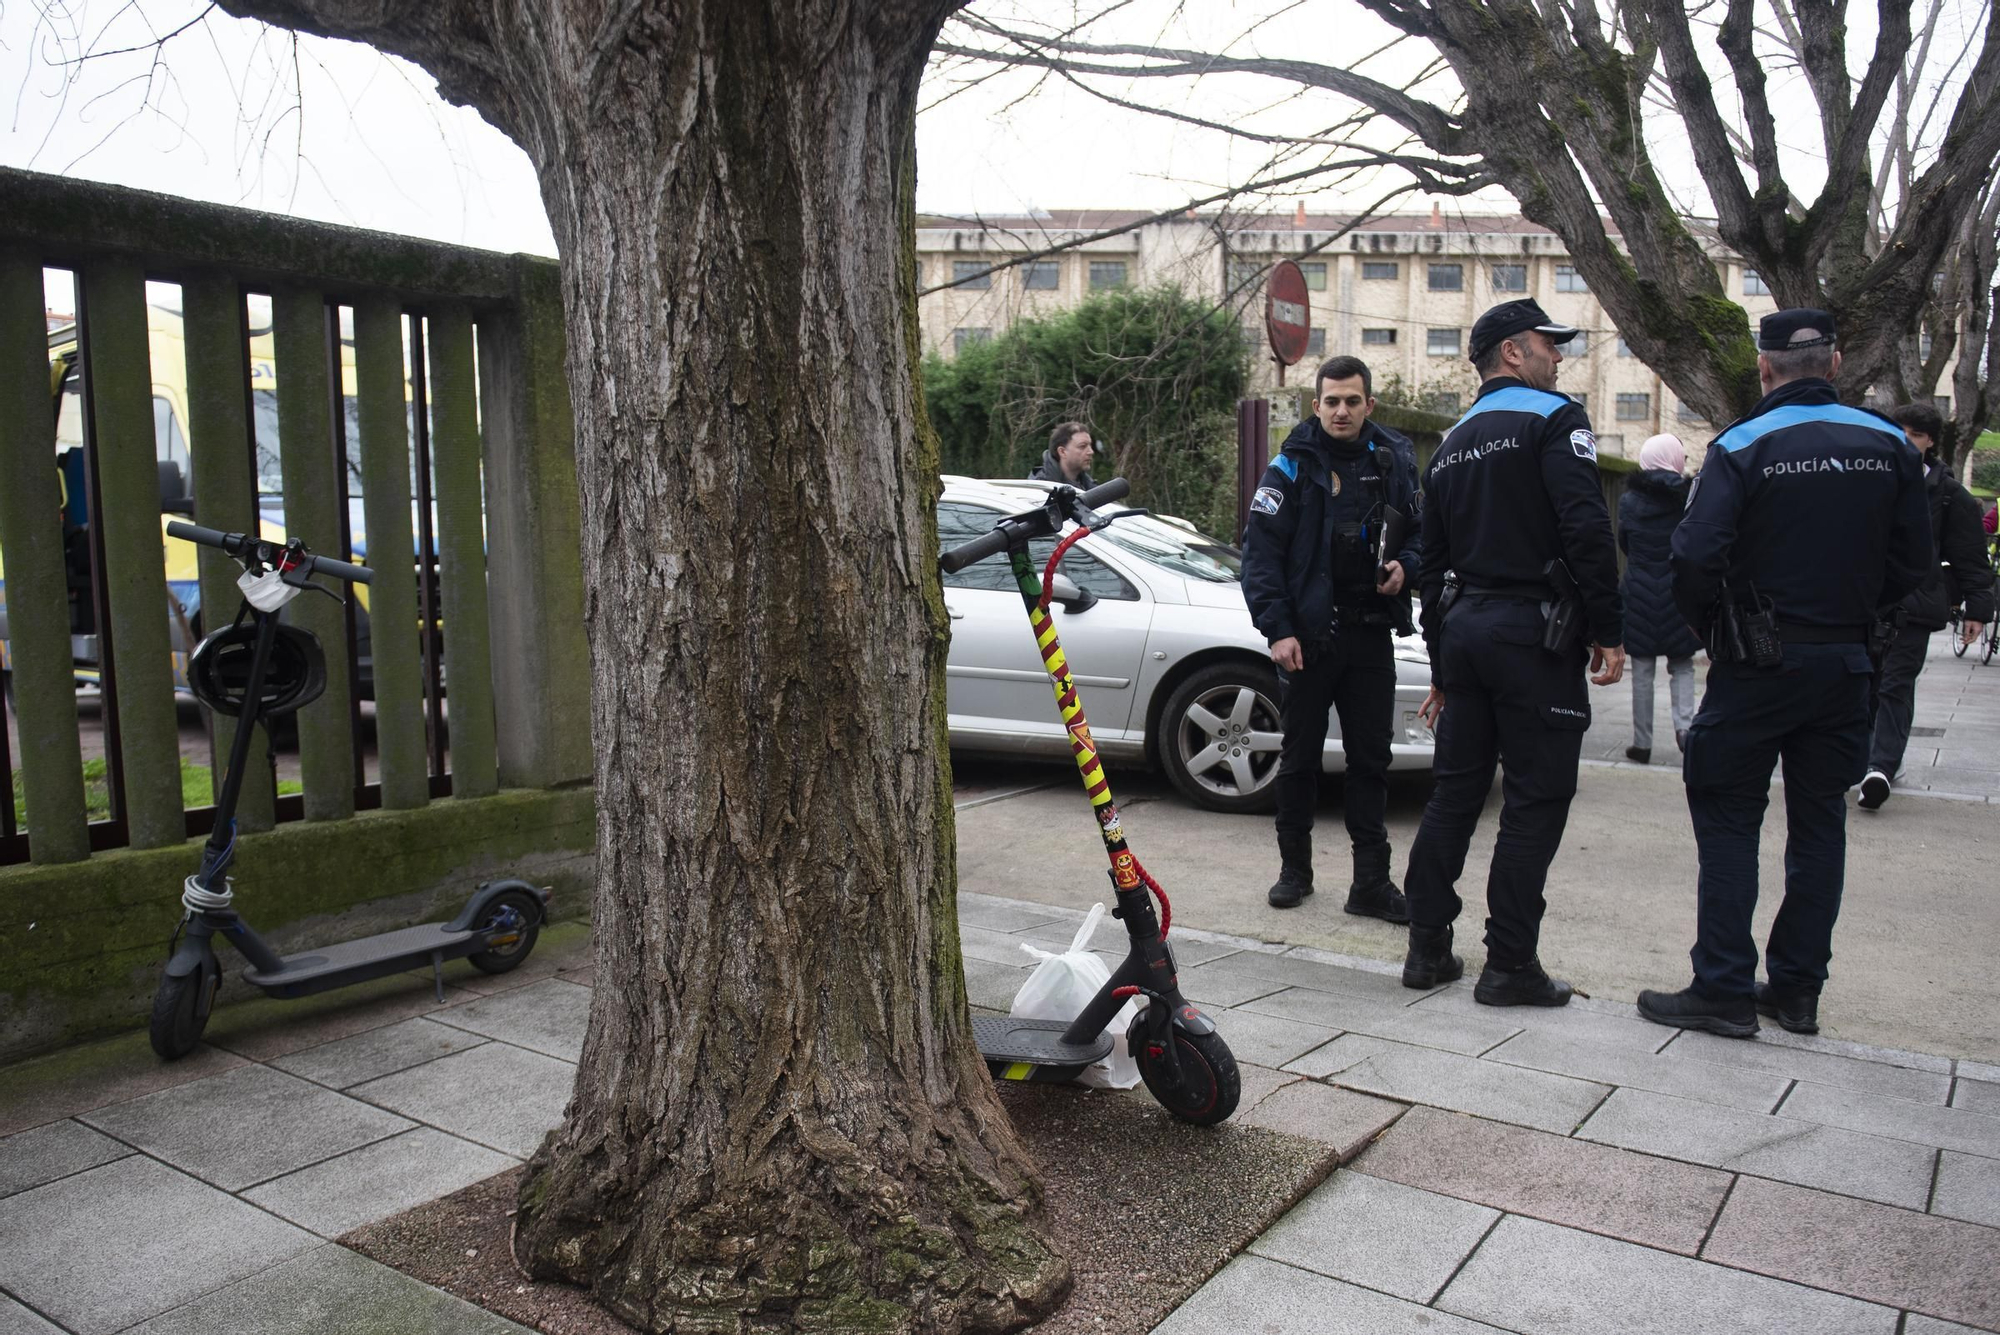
1287 465
1513 399
1797 414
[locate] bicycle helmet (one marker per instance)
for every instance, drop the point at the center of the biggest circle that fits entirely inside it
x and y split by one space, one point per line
219 670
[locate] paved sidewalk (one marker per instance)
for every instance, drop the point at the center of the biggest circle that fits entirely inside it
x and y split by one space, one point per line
1539 1172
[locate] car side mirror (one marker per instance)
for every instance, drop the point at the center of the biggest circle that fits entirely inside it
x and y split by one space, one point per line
1065 594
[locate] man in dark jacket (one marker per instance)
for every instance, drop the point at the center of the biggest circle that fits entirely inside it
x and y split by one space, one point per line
1316 591
1652 504
1068 457
1957 542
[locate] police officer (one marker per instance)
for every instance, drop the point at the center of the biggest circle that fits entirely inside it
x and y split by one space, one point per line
1311 579
1807 521
1514 513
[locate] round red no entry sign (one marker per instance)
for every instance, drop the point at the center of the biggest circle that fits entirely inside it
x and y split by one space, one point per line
1287 312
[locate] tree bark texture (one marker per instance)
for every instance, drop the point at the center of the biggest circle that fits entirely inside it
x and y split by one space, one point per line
780 1120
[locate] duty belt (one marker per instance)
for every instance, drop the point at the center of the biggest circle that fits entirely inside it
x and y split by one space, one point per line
1792 632
1534 593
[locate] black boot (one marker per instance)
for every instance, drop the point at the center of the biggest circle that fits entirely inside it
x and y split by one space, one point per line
1373 894
1529 985
1731 1017
1295 881
1793 1010
1430 961
1642 754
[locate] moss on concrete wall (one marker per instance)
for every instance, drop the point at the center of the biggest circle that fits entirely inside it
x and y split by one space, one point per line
84 942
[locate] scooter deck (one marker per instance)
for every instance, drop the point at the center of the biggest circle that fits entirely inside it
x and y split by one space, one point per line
1034 1049
370 957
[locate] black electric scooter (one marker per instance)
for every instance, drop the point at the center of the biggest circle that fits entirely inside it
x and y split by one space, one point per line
254 669
1183 1060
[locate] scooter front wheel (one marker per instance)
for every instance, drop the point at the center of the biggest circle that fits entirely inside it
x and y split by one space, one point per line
180 1013
513 920
1207 1086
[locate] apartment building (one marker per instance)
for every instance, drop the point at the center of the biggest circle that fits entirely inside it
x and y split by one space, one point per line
1399 291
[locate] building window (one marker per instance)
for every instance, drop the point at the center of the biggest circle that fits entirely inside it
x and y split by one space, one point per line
1634 407
1942 403
1924 346
1578 346
1315 272
1582 401
1569 280
1378 269
1510 278
1442 343
1316 343
1244 275
1041 276
1447 403
1754 284
964 338
1378 338
1686 412
1107 273
1624 348
1612 445
1447 277
971 273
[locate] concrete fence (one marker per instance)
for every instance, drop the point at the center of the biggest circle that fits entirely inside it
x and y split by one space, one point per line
420 398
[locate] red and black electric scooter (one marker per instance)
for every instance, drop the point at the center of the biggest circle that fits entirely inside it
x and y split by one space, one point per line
1181 1057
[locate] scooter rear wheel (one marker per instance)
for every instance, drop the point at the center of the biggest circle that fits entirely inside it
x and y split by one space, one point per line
1209 1085
515 936
178 1015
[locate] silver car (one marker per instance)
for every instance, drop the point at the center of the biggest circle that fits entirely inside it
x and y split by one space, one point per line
1152 621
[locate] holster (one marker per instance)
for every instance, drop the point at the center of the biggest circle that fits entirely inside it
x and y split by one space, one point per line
1562 618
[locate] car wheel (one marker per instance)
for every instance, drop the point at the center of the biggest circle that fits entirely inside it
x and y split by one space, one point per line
1219 737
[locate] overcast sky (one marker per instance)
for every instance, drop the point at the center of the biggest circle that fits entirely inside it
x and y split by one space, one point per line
240 114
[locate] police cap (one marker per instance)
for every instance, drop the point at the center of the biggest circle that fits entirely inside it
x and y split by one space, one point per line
1513 317
1800 327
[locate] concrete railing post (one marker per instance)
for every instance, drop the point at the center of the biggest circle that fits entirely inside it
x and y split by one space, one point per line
117 374
31 545
541 663
309 458
468 655
393 632
225 491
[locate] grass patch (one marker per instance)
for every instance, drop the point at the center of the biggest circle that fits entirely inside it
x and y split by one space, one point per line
197 790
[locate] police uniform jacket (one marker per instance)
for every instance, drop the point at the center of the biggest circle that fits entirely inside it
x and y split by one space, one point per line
1512 487
1288 553
1819 506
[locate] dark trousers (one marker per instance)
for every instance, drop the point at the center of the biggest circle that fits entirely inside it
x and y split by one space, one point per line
1506 700
1812 714
1896 698
1354 673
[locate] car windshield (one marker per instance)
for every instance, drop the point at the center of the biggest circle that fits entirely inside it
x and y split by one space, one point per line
1185 551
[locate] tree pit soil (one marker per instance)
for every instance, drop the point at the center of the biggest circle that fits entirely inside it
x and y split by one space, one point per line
1146 1209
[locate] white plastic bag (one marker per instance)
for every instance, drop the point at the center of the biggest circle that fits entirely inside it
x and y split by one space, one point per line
1062 985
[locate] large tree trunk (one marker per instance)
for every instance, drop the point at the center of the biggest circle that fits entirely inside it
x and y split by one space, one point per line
780 1120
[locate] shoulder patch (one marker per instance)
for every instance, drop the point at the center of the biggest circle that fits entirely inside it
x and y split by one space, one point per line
1287 465
1267 501
1584 445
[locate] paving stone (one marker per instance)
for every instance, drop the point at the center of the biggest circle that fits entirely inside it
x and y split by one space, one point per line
1539 1278
1941 1267
1252 1296
549 1017
1467 1034
1918 1324
1871 1167
102 1249
1968 1187
52 1151
1448 1080
1948 1128
395 1047
1979 1071
74 1080
993 985
378 1180
1312 1111
245 1125
1379 1234
265 1027
1217 985
1773 1035
1258 1083
1579 1019
505 1098
1821 1068
1610 1064
1004 915
983 943
18 1320
330 1291
1297 970
1978 1096
1556 1178
1267 1040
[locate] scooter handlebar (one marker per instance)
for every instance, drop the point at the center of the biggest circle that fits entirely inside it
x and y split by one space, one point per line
207 537
326 565
238 543
1030 524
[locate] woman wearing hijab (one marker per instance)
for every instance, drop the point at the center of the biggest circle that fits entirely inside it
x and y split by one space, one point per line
1652 505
